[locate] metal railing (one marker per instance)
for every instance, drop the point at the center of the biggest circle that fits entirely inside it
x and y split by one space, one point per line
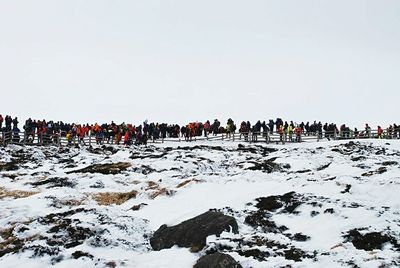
61 139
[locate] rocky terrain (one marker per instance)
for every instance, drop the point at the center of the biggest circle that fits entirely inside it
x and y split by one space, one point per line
225 204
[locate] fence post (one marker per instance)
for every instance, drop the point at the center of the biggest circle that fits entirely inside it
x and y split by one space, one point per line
6 137
59 139
3 138
90 139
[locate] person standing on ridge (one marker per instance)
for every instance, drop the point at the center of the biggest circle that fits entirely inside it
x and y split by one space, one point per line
206 128
368 131
298 130
380 132
281 131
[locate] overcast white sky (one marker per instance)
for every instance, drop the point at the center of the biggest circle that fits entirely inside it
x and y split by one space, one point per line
180 61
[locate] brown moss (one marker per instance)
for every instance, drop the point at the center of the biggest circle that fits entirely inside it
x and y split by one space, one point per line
114 198
7 233
10 243
14 193
184 183
161 191
158 192
152 185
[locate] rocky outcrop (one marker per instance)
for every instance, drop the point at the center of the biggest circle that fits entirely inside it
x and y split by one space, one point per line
370 241
193 232
217 260
113 168
268 166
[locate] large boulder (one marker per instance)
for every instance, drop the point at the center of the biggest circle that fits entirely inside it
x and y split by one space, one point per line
217 260
193 232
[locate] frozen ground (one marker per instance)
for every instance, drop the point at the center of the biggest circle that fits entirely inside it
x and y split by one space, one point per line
333 203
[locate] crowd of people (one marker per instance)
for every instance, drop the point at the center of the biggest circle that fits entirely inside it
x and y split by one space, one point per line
51 132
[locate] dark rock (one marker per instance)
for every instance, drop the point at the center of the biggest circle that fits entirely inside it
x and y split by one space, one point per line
261 241
389 163
255 253
267 150
139 156
358 158
193 232
350 144
144 169
267 165
348 187
11 245
114 168
97 185
9 166
65 231
261 219
270 203
300 237
369 241
329 210
66 161
380 170
217 260
103 150
296 254
314 213
289 202
79 254
303 171
40 251
324 166
245 149
55 182
138 206
111 264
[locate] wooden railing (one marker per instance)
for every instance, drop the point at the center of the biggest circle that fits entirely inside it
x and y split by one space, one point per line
60 139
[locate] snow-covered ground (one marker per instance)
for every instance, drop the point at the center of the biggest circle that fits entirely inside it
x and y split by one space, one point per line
52 215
